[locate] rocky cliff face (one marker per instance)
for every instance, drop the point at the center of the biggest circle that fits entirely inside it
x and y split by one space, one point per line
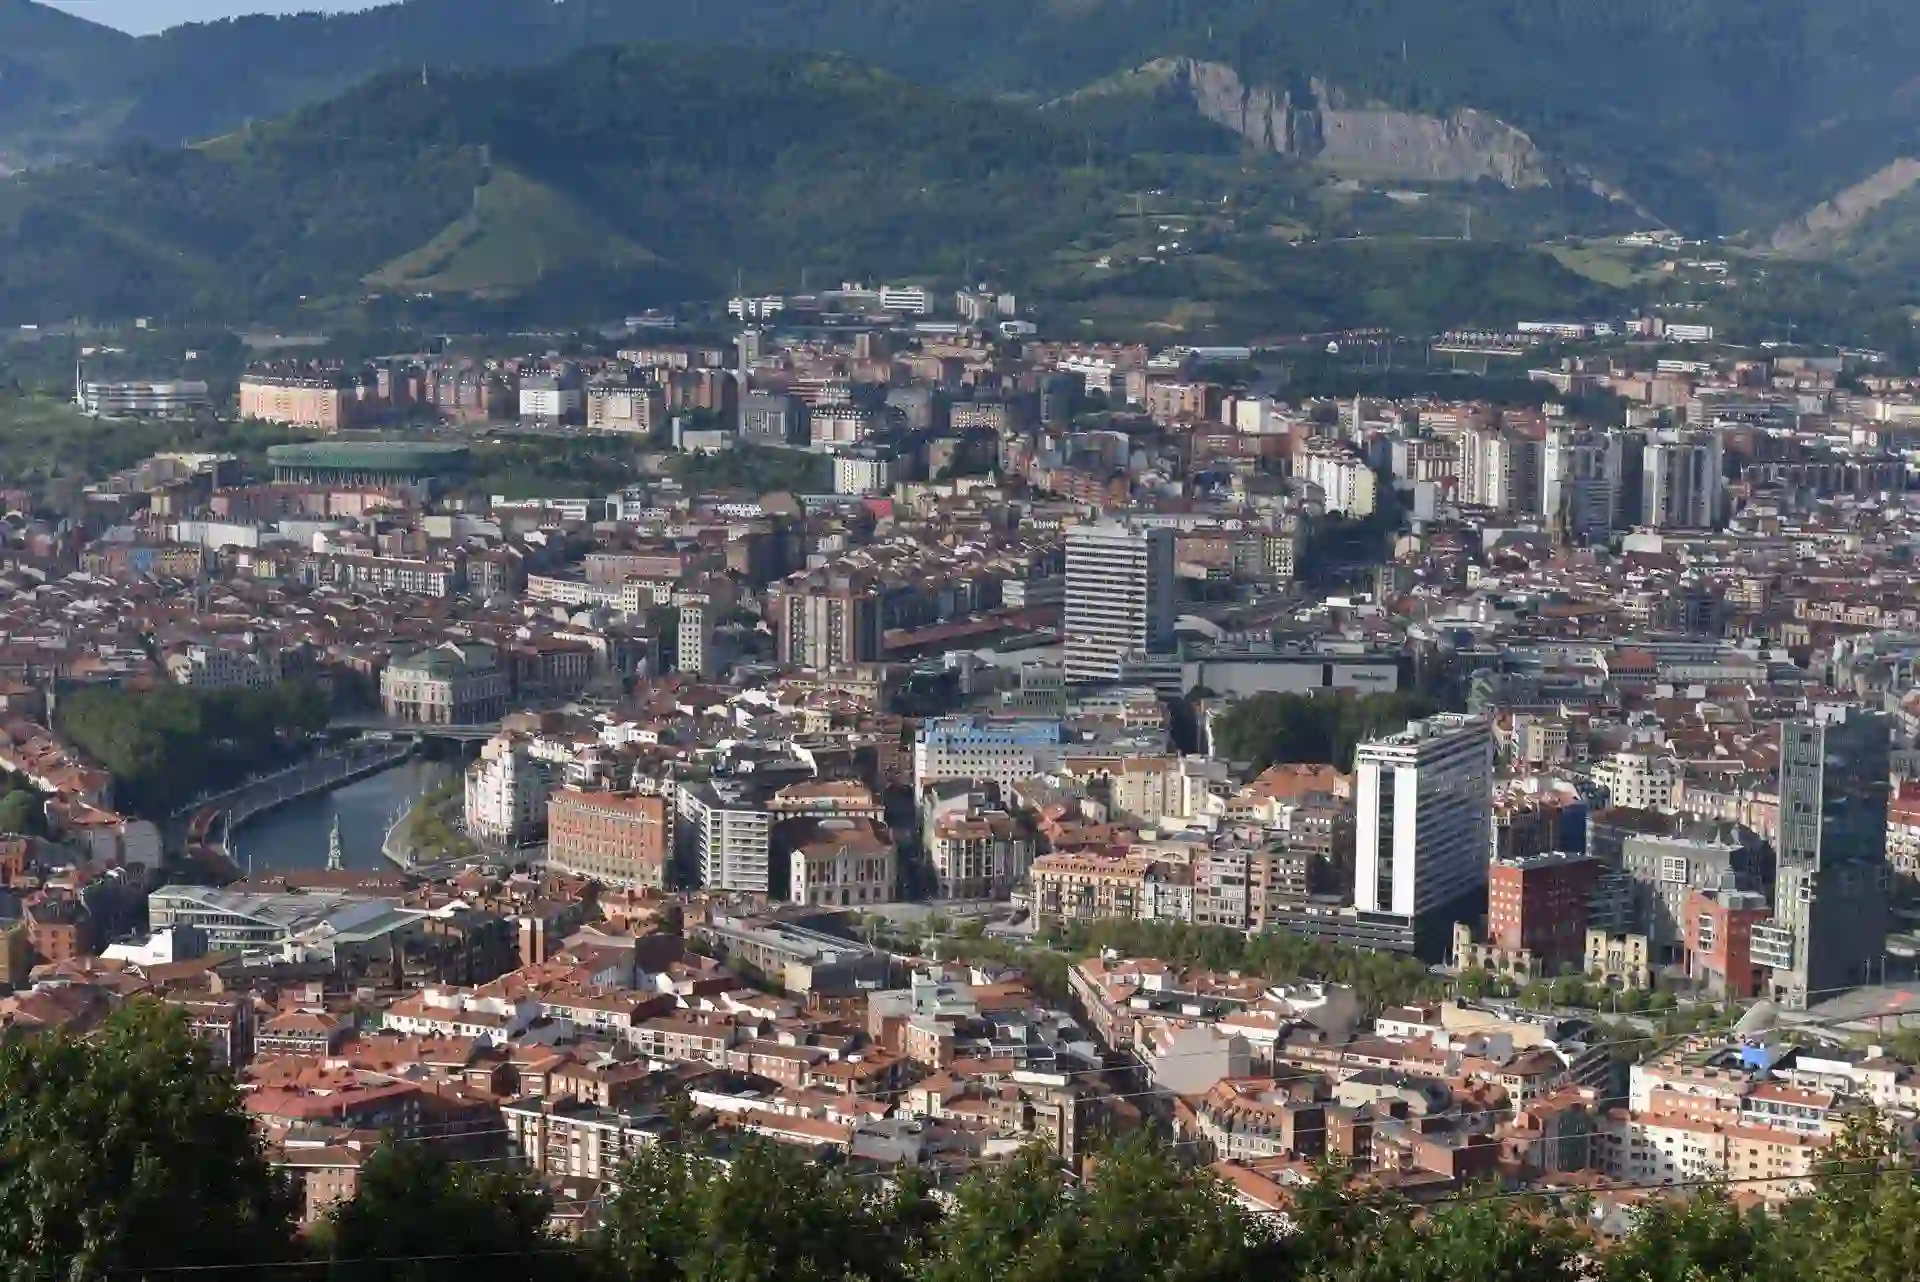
1830 220
1463 146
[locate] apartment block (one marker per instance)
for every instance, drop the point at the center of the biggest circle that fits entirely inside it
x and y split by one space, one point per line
616 838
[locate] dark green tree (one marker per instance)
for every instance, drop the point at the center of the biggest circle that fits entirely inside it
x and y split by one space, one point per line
418 1215
1140 1214
22 810
769 1215
651 1228
995 1219
164 746
1471 1242
1705 1238
129 1152
1284 728
1862 1223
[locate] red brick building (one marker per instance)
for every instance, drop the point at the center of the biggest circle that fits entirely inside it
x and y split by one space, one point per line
616 838
1719 926
1538 903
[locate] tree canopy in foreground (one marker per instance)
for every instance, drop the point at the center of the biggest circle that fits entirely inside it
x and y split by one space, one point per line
128 1154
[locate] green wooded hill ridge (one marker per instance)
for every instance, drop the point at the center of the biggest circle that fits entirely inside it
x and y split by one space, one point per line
1712 115
643 174
631 172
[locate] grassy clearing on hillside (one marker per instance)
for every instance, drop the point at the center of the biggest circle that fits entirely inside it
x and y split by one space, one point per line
1614 266
517 232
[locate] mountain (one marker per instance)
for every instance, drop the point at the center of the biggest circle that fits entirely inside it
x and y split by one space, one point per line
47 63
625 173
638 175
35 34
1711 115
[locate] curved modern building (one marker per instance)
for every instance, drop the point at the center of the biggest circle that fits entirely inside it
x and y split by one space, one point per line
368 462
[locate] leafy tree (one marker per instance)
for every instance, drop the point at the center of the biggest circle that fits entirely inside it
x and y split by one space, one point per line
1470 1242
1140 1214
1284 728
127 1152
771 1213
995 1218
164 746
23 810
1378 979
414 1205
761 471
1706 1238
1862 1223
654 1223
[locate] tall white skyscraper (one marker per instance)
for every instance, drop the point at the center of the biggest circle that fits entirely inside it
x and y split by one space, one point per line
727 832
1119 597
1423 822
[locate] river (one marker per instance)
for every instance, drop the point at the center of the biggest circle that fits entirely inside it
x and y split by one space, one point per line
295 836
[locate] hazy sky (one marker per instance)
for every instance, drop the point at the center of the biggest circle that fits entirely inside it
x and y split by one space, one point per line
143 16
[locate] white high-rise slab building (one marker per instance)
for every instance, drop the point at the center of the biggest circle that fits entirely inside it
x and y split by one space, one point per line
1423 826
727 832
1683 482
1119 597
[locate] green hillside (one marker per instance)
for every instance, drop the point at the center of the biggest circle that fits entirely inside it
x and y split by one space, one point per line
625 175
50 100
1714 115
643 175
517 233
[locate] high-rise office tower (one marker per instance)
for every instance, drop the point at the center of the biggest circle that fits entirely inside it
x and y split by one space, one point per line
1829 927
1423 824
1119 597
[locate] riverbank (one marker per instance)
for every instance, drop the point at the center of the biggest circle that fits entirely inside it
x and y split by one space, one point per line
397 847
215 823
294 836
432 831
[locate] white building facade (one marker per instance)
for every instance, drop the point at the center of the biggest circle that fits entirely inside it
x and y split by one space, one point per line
1119 597
506 793
728 833
1423 816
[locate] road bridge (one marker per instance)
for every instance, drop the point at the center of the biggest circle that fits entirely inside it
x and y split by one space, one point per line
478 732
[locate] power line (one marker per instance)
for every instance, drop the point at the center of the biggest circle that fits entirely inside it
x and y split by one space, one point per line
1815 1178
1516 1195
322 1264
